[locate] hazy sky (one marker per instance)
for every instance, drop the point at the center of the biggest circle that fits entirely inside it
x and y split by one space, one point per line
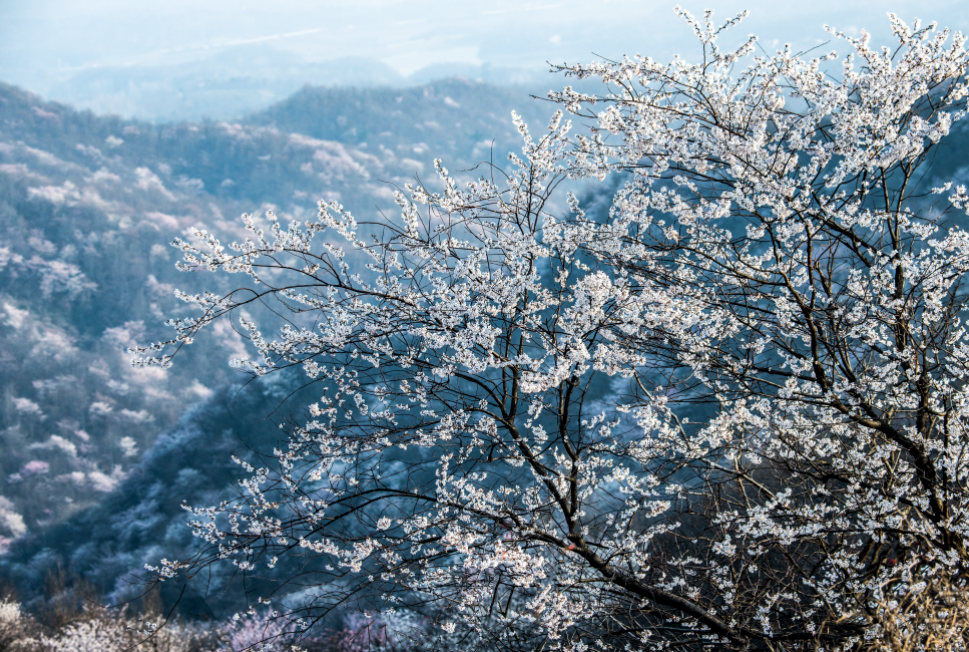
39 37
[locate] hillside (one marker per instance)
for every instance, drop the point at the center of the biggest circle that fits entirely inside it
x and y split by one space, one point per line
88 205
142 521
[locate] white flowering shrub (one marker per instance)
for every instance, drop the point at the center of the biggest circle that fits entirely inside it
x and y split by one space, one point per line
18 632
731 413
255 632
104 630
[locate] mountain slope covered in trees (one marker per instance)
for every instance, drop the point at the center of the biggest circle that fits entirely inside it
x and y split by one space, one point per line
88 207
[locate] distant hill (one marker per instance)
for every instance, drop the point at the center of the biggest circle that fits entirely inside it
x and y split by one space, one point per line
228 84
461 118
233 81
88 205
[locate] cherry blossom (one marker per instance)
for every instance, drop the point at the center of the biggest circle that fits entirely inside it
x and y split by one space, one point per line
729 413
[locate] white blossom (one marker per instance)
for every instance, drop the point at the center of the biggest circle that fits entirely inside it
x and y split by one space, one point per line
730 412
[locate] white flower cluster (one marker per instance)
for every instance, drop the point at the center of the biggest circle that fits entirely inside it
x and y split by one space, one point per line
102 630
732 412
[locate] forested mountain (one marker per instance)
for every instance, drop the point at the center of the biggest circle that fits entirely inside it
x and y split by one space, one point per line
96 456
142 521
88 207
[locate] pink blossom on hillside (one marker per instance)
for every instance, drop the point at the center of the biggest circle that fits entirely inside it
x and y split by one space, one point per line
34 467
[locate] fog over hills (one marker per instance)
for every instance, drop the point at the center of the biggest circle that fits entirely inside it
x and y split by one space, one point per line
237 80
220 59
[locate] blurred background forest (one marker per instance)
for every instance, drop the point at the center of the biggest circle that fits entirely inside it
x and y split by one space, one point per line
96 456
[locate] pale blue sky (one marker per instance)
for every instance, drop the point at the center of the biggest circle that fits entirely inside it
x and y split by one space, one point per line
40 37
406 34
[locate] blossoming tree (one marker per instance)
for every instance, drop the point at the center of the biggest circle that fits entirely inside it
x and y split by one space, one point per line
729 414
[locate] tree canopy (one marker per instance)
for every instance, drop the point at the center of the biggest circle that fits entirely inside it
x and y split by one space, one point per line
728 413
